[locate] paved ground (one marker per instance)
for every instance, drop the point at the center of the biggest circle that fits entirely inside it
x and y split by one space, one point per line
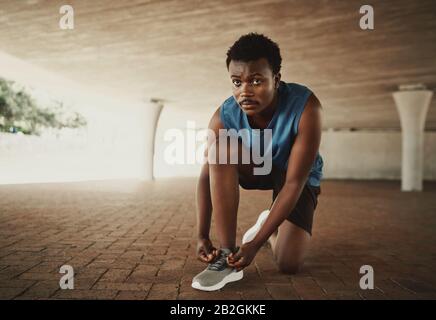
129 240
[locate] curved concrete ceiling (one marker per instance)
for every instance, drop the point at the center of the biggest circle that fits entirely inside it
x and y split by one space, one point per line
175 50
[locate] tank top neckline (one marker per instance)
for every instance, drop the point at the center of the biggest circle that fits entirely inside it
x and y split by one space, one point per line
274 117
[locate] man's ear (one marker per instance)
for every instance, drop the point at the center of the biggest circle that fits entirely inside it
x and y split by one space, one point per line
277 79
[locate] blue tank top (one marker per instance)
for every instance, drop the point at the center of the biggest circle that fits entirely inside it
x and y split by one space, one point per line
291 101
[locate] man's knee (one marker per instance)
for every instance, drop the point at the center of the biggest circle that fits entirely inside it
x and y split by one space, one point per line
289 267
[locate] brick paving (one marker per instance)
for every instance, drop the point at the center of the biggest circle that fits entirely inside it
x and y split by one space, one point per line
136 240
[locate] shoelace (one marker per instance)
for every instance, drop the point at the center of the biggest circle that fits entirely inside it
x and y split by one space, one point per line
219 264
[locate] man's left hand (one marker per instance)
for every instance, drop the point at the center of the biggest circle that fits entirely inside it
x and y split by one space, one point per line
243 257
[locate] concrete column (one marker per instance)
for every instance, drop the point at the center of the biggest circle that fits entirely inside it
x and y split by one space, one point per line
152 114
412 104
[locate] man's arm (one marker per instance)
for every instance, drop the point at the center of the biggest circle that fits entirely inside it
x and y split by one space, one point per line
300 162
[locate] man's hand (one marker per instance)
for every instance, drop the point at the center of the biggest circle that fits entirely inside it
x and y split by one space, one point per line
243 257
206 252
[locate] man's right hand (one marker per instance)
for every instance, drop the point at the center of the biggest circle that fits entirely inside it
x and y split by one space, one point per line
206 252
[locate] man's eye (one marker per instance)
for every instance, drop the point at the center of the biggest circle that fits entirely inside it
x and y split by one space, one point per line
236 82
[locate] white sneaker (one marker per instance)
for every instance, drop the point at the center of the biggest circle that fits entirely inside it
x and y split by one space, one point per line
251 233
217 274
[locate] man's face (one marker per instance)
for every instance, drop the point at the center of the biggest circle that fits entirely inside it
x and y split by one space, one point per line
253 84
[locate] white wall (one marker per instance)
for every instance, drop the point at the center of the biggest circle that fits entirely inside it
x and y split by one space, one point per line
370 155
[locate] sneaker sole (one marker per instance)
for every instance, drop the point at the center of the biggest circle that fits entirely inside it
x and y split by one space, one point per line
231 277
251 233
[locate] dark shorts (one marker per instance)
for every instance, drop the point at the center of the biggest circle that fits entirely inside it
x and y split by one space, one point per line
302 214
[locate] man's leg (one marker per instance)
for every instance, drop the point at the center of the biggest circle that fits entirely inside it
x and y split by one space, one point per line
224 180
289 247
291 242
224 189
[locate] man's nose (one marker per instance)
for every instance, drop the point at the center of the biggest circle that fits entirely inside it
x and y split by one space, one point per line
246 90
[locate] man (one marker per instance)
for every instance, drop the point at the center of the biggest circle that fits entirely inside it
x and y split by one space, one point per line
292 112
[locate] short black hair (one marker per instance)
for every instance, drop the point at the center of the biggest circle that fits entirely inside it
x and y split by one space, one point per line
254 46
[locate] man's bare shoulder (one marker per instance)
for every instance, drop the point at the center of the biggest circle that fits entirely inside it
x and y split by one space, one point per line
215 122
311 117
313 102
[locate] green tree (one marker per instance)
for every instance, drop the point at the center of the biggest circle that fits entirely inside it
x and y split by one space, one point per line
20 112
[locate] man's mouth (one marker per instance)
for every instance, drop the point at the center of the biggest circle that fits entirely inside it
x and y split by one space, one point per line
248 103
